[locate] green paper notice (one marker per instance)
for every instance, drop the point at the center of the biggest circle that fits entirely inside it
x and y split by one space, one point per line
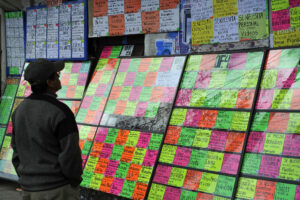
155 141
198 98
250 78
186 137
96 181
127 189
254 60
145 94
294 123
134 64
157 192
213 98
273 143
208 182
202 138
260 122
117 152
213 161
188 195
178 116
105 78
194 63
86 178
246 188
79 92
233 79
218 79
111 136
240 121
145 174
122 170
138 156
224 119
285 191
225 186
251 163
120 78
125 92
282 99
290 169
269 79
197 159
188 80
110 106
152 109
132 138
167 154
177 177
154 64
130 108
139 79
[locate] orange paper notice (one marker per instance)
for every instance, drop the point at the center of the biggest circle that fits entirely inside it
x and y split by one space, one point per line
106 184
100 8
116 24
150 22
168 4
132 6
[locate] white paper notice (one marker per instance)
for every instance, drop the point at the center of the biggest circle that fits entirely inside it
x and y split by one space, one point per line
65 31
52 33
147 5
41 16
52 49
64 49
31 17
30 50
127 50
201 9
115 7
251 6
226 29
169 20
133 23
41 49
78 30
100 26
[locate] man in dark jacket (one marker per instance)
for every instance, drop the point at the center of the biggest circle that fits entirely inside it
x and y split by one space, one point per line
45 139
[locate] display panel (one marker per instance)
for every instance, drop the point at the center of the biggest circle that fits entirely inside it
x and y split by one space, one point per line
202 148
15 53
143 92
272 150
73 80
7 99
121 162
96 95
58 32
86 137
111 52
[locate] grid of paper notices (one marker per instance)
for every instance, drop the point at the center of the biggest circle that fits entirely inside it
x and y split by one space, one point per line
96 95
7 99
121 162
111 52
249 188
143 93
86 137
202 148
214 21
220 80
285 23
273 145
7 169
280 86
119 17
15 56
15 105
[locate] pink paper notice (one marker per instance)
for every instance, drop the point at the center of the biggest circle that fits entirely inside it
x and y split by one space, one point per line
144 140
162 174
286 78
297 196
106 150
172 193
294 3
135 93
111 168
76 67
202 79
82 79
100 91
129 79
124 65
256 142
218 140
192 117
166 64
281 20
183 97
86 102
237 60
141 109
106 52
150 158
101 134
269 166
182 156
230 163
116 186
168 94
265 98
291 145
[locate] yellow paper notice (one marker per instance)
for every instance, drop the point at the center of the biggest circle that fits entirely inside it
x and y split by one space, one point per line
284 38
202 31
224 8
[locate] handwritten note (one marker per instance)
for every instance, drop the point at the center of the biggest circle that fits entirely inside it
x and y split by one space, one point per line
225 8
289 169
217 140
225 185
196 100
269 166
122 170
251 163
202 31
201 9
128 188
294 16
291 145
246 188
285 191
177 177
162 174
287 37
145 174
250 6
279 4
213 161
274 143
167 154
224 119
265 189
150 21
226 29
182 156
208 182
157 191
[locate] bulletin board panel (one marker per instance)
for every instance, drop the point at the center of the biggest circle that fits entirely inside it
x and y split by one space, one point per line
96 95
58 32
272 153
143 92
73 80
15 51
123 17
7 99
285 23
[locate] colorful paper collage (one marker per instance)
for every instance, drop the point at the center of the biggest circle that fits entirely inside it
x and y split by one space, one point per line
220 80
143 93
249 188
111 52
121 162
96 94
280 86
7 169
73 80
214 21
285 23
7 99
121 17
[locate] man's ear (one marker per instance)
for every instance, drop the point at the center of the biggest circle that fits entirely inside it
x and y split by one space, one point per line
50 83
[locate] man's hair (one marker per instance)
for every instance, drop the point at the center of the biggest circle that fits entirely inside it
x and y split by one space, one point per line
40 87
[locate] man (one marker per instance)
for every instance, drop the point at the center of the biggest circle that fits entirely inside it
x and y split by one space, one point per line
45 138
